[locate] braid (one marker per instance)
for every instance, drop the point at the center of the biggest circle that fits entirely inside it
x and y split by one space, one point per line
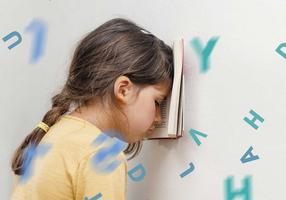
60 105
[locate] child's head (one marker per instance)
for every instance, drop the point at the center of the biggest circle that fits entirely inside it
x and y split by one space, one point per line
120 68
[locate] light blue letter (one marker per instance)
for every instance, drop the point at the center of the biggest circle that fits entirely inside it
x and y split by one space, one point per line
245 192
204 54
251 122
30 154
99 195
39 28
194 134
105 159
279 50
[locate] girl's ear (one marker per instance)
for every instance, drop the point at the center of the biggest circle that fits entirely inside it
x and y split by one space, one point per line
124 89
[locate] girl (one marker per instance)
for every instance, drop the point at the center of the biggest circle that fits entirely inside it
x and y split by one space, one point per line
119 75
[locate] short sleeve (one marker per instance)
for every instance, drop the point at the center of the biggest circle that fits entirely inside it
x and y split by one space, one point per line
89 183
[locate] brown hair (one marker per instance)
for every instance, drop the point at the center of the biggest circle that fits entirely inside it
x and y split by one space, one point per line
117 47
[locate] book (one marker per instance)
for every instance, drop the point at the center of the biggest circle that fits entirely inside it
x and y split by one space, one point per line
172 108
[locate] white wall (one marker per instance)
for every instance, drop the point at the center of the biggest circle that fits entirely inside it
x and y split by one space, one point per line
245 73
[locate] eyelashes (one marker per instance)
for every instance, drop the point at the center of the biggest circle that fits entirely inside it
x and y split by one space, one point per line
157 103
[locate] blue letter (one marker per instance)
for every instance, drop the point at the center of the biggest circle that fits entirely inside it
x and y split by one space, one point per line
248 156
191 168
10 35
134 170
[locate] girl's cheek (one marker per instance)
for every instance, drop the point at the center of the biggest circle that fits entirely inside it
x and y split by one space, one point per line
154 110
150 113
149 106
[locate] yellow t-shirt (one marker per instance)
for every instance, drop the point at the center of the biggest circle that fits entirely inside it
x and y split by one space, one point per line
65 171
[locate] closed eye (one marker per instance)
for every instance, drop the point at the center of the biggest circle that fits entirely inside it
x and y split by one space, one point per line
157 103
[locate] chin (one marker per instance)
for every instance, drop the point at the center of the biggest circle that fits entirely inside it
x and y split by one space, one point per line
132 140
135 137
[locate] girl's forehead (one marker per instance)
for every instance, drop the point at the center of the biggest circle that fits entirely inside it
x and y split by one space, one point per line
163 88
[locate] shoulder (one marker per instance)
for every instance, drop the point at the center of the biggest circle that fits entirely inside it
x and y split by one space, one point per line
72 136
